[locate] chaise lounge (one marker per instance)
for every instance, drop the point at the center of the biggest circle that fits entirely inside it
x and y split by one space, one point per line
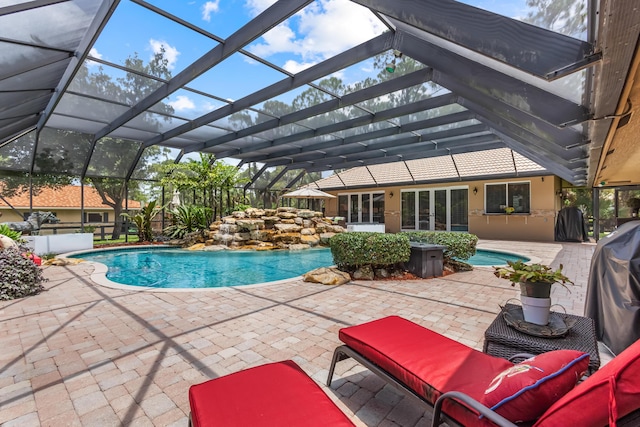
463 385
471 388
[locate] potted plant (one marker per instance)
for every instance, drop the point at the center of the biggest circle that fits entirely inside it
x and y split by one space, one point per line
535 282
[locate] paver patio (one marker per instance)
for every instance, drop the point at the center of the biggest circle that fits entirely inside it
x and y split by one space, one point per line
84 354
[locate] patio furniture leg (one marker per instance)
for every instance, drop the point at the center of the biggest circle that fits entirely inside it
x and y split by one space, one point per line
338 355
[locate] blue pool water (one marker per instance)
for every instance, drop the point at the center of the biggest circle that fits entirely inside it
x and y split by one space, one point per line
179 268
485 257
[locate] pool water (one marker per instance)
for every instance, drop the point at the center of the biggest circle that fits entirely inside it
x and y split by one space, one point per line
179 268
485 257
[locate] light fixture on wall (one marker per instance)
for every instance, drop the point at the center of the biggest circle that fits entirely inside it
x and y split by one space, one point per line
391 66
390 194
475 190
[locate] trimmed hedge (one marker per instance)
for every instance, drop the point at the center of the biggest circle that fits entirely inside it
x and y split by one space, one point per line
357 249
460 246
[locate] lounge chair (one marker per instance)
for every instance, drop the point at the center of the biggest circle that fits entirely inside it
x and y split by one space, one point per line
275 394
471 388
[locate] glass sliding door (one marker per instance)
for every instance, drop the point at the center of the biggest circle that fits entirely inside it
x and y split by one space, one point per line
440 209
424 210
435 209
408 210
377 214
365 210
354 208
460 210
362 207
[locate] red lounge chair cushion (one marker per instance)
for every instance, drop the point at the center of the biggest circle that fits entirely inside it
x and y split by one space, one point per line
425 361
524 391
275 394
610 393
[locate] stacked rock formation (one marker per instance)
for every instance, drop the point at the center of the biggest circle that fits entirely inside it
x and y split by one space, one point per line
264 229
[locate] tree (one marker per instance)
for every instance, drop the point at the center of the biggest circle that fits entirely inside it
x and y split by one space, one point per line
112 157
207 176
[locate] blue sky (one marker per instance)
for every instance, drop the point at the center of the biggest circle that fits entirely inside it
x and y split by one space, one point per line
319 31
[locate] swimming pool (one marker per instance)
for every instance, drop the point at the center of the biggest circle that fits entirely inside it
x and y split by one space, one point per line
486 257
164 268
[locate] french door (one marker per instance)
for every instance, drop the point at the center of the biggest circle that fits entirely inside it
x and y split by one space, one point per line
435 209
362 207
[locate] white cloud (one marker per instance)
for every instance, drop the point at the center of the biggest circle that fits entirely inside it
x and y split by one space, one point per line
208 8
210 106
256 7
324 29
170 52
182 103
94 53
295 67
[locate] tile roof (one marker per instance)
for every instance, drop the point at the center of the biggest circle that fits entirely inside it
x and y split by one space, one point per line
60 198
483 164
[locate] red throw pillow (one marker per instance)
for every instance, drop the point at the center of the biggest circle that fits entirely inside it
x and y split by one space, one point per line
527 389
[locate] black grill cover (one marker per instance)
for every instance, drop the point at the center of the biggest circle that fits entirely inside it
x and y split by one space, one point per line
570 226
613 291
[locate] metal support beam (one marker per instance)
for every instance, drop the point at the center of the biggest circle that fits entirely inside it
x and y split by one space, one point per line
411 79
268 19
28 5
538 51
494 85
277 178
336 63
255 177
353 143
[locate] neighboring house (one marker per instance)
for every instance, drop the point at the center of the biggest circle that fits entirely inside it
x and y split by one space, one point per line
462 192
65 203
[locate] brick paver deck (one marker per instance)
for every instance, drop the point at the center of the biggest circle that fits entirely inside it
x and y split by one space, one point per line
83 354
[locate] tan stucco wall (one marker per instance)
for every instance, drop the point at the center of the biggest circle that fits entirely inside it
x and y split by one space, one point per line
67 217
537 226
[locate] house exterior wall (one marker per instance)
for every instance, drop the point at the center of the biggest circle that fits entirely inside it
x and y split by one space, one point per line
538 225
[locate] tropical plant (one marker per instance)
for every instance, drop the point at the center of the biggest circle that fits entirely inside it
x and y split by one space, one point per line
186 219
143 219
20 276
520 272
12 234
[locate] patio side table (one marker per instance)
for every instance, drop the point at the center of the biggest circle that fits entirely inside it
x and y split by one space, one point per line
502 340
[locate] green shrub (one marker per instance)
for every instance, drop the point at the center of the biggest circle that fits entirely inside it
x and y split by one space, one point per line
357 249
186 219
143 220
460 246
19 276
14 235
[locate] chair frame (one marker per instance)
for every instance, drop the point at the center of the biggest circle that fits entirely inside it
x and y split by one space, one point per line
344 352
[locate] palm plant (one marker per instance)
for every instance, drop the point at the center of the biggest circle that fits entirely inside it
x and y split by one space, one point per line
143 219
186 219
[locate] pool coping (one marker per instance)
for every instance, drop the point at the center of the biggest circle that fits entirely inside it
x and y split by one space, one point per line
99 275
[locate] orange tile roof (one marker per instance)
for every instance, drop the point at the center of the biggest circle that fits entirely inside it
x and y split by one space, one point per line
60 198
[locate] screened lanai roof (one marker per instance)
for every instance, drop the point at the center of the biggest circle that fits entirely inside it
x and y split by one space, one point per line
302 84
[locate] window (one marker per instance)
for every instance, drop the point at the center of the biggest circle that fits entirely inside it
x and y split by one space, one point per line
514 194
93 217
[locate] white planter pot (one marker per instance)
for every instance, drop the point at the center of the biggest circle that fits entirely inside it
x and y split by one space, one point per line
536 310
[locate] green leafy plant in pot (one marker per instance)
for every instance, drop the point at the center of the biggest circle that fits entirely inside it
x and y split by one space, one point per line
535 282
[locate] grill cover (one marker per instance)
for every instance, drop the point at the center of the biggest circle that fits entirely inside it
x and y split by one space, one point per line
570 226
613 292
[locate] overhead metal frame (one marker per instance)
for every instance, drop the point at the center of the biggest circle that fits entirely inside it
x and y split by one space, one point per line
511 112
